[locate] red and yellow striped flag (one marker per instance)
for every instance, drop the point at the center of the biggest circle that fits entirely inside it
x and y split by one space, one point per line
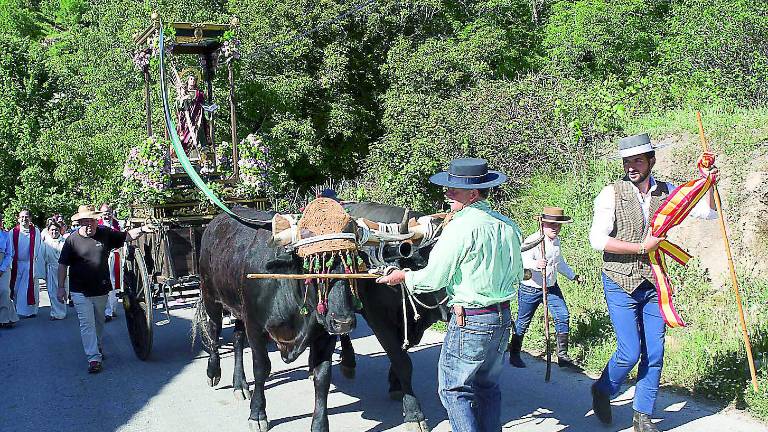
671 213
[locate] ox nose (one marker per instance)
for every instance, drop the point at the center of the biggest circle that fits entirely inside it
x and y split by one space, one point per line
341 325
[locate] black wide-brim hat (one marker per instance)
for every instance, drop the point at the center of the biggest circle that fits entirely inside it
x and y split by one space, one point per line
469 173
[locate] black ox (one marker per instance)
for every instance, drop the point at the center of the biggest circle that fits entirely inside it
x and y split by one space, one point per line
267 307
383 310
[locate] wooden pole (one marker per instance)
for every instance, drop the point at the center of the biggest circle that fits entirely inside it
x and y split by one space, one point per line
544 292
233 121
731 267
209 75
147 101
313 276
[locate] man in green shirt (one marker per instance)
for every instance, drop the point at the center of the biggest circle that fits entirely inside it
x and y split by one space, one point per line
477 260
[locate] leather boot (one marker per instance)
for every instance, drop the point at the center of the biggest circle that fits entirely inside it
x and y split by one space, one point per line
642 423
514 347
601 404
563 360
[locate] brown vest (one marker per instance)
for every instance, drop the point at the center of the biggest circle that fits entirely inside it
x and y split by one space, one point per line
629 271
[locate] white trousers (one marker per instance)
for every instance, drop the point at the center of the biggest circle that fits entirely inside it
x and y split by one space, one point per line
112 299
90 312
58 309
7 308
20 290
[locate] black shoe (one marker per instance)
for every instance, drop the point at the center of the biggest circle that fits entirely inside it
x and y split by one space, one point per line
514 347
601 403
563 359
94 367
642 423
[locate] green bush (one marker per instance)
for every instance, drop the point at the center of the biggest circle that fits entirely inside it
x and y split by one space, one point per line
601 37
716 49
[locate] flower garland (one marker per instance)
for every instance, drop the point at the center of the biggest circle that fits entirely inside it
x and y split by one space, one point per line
253 165
147 172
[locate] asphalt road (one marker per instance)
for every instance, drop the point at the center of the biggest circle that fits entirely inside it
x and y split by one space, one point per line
45 387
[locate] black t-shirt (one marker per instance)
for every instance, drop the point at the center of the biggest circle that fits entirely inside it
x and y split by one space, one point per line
88 260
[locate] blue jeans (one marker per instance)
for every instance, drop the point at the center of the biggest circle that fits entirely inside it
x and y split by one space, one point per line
528 300
469 369
639 328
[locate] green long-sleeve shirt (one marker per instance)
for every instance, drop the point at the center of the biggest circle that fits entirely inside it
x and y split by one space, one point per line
477 259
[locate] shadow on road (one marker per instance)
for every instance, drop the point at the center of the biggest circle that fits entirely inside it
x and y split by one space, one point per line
47 387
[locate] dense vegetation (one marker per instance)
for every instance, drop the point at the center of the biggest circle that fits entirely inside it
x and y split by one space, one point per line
389 94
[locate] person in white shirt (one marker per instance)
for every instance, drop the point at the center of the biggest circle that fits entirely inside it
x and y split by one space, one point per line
620 229
530 294
8 317
52 244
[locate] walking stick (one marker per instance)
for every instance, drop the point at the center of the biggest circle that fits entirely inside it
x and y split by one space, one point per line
544 290
731 267
303 276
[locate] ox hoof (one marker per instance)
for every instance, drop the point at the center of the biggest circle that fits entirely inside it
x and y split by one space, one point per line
396 395
213 382
242 394
417 426
258 425
348 372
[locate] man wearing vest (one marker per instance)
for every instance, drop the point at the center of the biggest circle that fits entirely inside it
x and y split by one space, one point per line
620 230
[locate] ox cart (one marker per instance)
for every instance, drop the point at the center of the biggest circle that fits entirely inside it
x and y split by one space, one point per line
164 264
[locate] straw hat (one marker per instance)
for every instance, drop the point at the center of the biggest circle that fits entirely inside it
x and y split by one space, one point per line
554 215
86 212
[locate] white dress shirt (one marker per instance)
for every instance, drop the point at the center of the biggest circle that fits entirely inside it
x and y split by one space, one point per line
605 212
555 262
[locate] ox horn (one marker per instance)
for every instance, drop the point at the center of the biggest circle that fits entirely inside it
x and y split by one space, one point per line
284 230
420 227
283 238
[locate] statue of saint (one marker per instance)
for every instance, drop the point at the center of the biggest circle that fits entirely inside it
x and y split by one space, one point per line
192 125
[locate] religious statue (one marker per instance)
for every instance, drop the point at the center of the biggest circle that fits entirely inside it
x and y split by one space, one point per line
192 125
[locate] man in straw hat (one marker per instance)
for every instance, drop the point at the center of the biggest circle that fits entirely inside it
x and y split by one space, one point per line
530 294
86 255
477 261
620 230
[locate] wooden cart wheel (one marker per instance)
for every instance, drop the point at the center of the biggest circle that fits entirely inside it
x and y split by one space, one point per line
138 302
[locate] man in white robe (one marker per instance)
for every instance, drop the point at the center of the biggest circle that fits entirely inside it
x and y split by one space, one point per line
27 266
52 246
8 315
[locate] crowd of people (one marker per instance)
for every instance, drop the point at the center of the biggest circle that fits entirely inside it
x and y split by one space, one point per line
80 264
30 254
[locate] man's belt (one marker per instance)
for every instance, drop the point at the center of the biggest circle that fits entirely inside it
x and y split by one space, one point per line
487 309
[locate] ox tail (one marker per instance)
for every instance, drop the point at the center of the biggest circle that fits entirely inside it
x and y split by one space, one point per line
200 325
